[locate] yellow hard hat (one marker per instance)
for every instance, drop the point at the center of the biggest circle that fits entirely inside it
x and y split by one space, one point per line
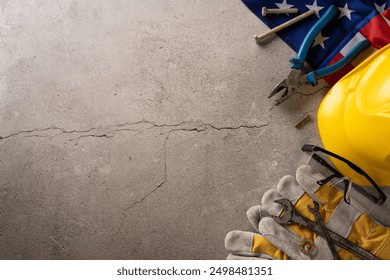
354 119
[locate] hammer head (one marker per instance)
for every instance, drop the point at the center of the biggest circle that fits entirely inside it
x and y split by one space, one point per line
287 213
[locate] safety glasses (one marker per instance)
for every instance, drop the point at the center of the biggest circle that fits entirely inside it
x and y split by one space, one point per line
373 192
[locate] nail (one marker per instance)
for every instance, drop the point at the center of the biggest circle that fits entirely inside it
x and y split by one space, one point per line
302 121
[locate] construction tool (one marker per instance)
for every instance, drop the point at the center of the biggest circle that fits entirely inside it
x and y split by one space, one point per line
316 212
292 216
265 11
302 121
299 82
260 38
295 83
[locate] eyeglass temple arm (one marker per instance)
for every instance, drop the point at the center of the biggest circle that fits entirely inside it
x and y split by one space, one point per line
313 148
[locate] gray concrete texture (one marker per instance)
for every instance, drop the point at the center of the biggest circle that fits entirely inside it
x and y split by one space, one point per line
138 129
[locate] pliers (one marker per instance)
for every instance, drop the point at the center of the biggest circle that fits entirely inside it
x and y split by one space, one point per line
299 82
290 215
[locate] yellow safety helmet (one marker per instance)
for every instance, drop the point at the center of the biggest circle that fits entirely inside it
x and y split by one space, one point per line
354 119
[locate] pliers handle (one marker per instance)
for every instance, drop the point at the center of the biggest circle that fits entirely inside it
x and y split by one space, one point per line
298 61
297 81
312 77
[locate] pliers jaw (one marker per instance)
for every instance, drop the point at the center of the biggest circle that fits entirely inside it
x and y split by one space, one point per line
282 90
297 81
293 84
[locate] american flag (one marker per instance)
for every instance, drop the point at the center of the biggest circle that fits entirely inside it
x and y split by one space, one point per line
356 21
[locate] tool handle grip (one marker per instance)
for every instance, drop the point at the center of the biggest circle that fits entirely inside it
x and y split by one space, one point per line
297 62
312 77
352 247
283 26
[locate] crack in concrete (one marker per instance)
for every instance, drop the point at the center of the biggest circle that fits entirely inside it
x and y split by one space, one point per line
159 185
199 128
238 127
65 131
34 136
95 136
124 213
110 129
313 93
57 243
107 131
280 101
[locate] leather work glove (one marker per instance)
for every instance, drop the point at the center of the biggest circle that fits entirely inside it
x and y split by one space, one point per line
296 242
244 245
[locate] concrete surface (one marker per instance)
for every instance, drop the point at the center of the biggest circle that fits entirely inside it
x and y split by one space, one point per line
138 129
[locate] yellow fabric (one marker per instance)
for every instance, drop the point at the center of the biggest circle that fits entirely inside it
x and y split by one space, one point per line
332 197
364 232
327 193
370 236
261 244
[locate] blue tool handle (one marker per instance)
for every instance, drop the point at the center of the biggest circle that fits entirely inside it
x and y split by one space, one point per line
313 76
297 62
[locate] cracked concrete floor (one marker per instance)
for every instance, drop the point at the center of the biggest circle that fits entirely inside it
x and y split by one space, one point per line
138 129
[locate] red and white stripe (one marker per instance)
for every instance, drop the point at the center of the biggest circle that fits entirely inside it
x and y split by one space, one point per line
377 31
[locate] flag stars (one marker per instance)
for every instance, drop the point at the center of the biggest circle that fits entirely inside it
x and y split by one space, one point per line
346 12
284 5
315 7
319 40
381 10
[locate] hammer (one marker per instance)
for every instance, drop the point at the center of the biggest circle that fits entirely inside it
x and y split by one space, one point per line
283 26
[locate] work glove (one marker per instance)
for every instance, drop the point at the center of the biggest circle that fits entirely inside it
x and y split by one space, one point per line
276 241
245 245
347 220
